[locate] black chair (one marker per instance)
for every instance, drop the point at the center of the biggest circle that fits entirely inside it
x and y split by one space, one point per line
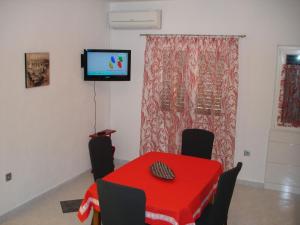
217 213
121 205
101 154
197 142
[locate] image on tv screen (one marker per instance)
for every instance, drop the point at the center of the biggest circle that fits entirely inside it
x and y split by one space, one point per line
107 64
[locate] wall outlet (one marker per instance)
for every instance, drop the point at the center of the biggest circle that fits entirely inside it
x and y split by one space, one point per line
8 177
246 153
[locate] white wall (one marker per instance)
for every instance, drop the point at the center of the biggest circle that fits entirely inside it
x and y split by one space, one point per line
266 23
44 131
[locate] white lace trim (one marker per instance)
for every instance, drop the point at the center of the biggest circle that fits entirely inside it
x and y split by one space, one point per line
158 216
168 219
205 200
86 205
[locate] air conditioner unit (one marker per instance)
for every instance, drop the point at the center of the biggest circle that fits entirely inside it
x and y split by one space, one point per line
135 19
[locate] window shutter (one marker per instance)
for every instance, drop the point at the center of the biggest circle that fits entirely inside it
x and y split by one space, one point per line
180 88
166 85
209 92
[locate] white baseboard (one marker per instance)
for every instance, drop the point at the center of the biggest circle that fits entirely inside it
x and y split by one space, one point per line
118 163
7 214
251 183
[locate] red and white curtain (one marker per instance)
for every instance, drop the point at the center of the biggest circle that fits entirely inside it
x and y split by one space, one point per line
190 82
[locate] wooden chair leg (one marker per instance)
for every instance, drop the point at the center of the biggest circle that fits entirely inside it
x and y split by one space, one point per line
96 218
99 219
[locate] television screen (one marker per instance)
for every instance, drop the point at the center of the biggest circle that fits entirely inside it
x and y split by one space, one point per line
107 65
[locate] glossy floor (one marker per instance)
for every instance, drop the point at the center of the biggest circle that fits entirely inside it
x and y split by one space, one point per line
250 206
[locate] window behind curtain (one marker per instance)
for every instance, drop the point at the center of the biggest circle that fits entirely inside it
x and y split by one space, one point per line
289 97
190 82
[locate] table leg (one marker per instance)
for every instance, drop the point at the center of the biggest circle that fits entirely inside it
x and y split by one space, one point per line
96 218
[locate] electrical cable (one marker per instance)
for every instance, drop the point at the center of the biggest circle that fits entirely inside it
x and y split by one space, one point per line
95 112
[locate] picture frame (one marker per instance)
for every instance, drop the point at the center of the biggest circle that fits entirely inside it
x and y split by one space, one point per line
37 69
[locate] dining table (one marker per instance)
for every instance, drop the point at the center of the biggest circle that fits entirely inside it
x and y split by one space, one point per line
176 201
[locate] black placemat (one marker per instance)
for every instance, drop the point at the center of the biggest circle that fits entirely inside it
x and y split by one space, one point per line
70 205
161 170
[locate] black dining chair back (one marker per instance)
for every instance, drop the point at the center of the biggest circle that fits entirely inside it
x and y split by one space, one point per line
121 205
217 213
197 142
101 155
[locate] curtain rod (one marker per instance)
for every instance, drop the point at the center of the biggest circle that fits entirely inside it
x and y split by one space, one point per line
203 35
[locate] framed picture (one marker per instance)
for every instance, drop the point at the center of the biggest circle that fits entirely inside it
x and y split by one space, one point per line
36 69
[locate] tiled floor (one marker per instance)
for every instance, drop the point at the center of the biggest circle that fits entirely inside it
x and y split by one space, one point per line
46 210
258 206
250 206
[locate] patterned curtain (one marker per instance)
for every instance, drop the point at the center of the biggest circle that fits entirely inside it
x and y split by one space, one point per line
289 97
190 82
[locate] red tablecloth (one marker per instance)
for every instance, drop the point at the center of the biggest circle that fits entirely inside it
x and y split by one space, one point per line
176 202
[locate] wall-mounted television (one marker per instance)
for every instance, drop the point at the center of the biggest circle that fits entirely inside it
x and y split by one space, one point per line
106 64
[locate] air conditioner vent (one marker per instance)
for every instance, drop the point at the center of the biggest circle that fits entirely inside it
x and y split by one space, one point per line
135 19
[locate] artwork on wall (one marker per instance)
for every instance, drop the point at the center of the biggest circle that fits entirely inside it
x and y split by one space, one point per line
36 69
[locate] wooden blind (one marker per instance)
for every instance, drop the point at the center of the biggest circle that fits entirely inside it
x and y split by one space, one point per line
180 86
209 92
209 88
173 81
166 79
